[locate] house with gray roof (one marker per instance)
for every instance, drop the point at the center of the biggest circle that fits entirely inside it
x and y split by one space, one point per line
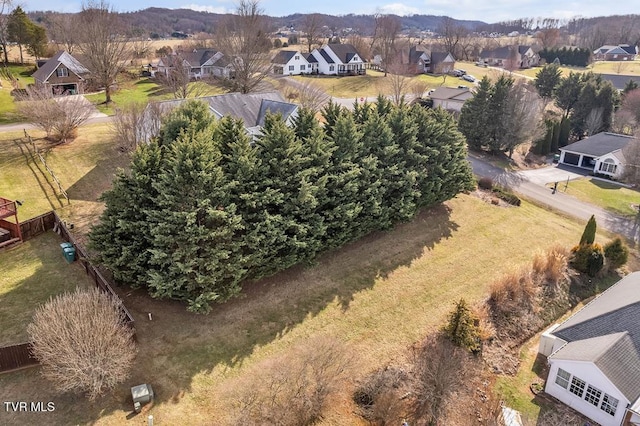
602 153
199 63
450 98
511 57
421 60
620 52
251 108
594 356
337 59
63 73
290 62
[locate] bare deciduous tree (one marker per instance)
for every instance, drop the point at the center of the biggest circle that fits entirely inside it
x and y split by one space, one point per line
62 31
103 43
6 6
387 31
312 29
59 117
523 117
308 95
593 122
135 123
178 81
244 40
548 37
452 34
294 390
441 368
82 342
398 80
632 162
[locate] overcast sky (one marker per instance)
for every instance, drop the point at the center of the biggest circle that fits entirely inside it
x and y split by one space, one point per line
482 10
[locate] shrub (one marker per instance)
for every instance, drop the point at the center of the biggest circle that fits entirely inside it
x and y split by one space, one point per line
589 233
462 327
513 293
507 196
551 267
485 183
82 342
378 396
616 252
588 258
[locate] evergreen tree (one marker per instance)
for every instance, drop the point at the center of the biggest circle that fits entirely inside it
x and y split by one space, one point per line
567 92
196 255
546 81
589 233
122 238
474 116
19 28
192 116
497 109
630 86
616 252
330 114
462 328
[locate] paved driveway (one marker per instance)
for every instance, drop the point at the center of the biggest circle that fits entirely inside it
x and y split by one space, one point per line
551 174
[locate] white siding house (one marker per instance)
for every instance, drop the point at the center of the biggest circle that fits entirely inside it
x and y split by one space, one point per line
450 98
601 153
290 62
594 356
337 59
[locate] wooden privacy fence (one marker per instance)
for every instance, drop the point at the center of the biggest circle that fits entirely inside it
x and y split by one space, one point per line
16 356
19 356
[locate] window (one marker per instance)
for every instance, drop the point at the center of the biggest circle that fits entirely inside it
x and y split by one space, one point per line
562 379
62 72
332 67
302 67
577 386
291 67
593 395
609 404
297 58
608 166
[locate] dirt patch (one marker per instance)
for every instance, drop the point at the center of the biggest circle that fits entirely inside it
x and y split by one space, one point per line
489 198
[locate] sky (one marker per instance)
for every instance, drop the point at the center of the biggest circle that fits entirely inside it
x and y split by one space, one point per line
482 10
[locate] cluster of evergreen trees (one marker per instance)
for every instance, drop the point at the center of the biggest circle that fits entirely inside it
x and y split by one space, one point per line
204 207
578 57
587 103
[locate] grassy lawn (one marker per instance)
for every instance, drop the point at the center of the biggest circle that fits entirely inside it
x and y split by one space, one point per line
7 105
378 296
30 274
612 197
85 167
129 91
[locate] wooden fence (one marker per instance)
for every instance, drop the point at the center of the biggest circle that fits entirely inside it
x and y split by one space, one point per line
19 356
16 356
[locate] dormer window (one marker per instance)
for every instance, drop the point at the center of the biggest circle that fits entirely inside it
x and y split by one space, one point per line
62 72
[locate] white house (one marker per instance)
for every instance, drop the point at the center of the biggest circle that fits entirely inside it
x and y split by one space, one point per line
594 356
251 108
601 153
450 98
337 59
290 62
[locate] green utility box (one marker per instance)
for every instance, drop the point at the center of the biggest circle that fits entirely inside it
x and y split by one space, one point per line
69 252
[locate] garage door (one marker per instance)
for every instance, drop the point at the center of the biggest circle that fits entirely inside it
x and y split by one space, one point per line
570 158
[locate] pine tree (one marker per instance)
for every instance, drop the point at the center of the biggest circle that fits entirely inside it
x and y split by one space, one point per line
122 238
330 114
192 116
474 118
546 81
589 234
196 255
462 327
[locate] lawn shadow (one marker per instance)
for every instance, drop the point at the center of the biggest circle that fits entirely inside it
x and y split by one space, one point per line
175 345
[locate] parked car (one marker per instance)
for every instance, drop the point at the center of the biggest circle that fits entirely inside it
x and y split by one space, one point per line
481 64
457 73
468 78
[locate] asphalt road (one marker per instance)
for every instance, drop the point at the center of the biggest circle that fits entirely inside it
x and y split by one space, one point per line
561 202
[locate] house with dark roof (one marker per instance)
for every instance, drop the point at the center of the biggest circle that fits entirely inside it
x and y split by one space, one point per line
602 153
450 98
594 356
420 60
290 62
621 52
511 57
63 73
199 63
337 59
251 108
620 81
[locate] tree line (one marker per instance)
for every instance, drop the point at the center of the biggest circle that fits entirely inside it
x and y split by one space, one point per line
578 57
204 207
